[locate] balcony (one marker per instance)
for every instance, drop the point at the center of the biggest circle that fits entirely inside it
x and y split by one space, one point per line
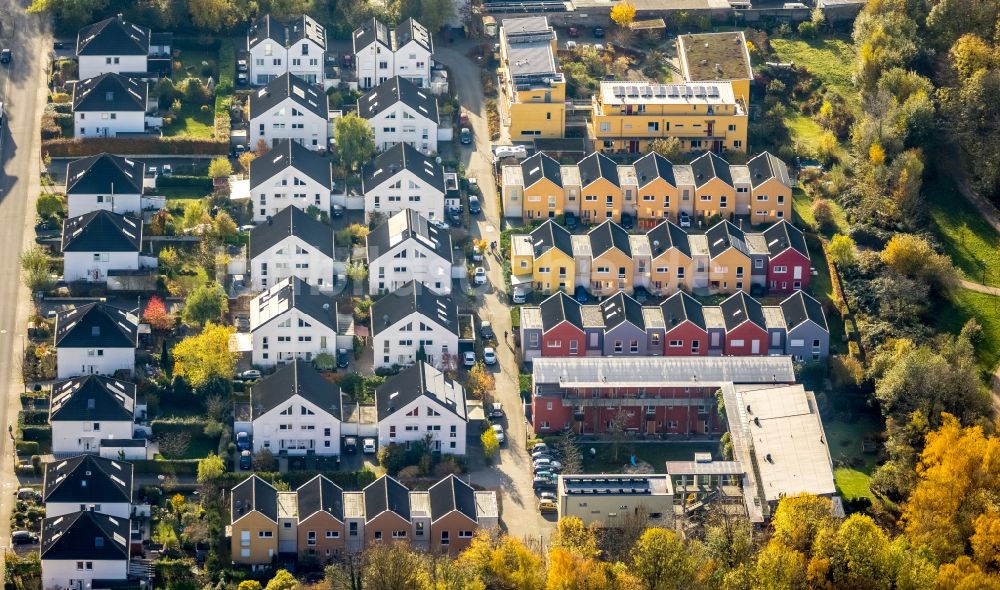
577 402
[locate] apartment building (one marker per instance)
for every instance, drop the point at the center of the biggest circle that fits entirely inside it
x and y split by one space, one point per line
406 247
289 107
109 104
608 500
400 112
383 53
713 58
532 87
297 48
422 402
291 244
411 323
292 320
289 174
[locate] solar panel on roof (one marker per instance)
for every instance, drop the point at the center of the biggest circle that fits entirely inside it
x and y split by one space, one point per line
661 91
633 91
618 90
672 91
713 91
647 91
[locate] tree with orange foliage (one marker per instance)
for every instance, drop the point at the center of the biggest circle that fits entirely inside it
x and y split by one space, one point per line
157 316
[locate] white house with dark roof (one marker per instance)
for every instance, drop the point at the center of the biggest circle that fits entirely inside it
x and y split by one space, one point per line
413 321
117 46
291 320
291 244
407 248
289 108
382 53
109 104
399 112
421 401
297 48
295 411
403 178
95 339
105 181
98 243
289 174
84 549
88 482
85 410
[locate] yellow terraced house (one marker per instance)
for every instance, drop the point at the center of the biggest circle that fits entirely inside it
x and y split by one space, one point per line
543 259
628 116
708 58
532 89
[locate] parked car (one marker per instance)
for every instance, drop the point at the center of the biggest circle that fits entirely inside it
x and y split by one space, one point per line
546 464
684 220
441 225
547 506
465 136
479 277
243 441
474 207
368 446
348 60
499 432
477 254
598 32
338 210
168 170
570 221
250 375
455 218
246 460
627 221
486 330
496 411
242 79
539 447
463 118
573 32
518 296
342 359
598 47
469 358
350 445
489 356
6 56
581 295
543 483
28 494
23 538
242 66
547 475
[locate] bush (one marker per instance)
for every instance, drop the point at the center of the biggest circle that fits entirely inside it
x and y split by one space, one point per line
392 458
27 447
35 417
823 212
39 434
176 146
167 467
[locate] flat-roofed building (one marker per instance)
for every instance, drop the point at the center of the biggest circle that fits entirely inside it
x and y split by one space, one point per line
532 87
609 500
717 57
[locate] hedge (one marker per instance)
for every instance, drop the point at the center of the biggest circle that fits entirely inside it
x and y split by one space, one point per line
167 467
176 146
27 447
39 434
349 480
199 182
34 417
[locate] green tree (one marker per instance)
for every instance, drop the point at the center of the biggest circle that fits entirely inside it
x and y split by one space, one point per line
282 580
195 214
357 272
224 227
206 303
435 13
205 356
215 15
210 468
392 457
668 147
220 168
49 205
72 14
355 141
841 251
662 561
35 269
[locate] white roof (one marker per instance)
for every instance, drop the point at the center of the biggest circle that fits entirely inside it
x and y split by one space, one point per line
631 92
661 371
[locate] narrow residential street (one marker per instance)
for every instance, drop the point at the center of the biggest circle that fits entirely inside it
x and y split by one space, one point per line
23 87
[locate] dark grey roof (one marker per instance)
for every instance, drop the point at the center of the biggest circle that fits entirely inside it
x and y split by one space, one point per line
414 298
294 293
551 235
101 231
308 96
708 166
782 236
104 174
113 36
452 494
559 308
385 493
411 30
287 153
266 27
540 166
606 236
109 93
764 167
85 536
680 307
724 234
405 225
416 381
295 378
652 166
96 325
369 32
666 235
399 157
305 27
800 307
301 27
621 308
291 221
92 398
595 166
87 479
395 90
253 493
740 308
319 494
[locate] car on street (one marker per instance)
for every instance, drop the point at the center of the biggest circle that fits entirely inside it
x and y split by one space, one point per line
368 446
684 220
499 432
465 136
479 276
489 356
469 358
168 171
246 460
250 375
518 296
496 411
342 359
581 295
598 32
242 79
547 506
338 210
573 32
243 441
474 208
486 330
543 483
455 219
23 538
539 447
477 254
5 56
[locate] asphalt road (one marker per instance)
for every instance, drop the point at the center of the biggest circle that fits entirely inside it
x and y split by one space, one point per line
24 96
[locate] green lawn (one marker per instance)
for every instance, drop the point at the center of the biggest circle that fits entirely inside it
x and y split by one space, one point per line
972 243
191 121
802 206
986 309
191 65
830 59
181 192
805 132
821 287
853 468
656 454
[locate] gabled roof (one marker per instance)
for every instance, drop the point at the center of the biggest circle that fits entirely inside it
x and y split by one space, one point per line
112 36
724 234
305 27
301 27
551 235
87 479
85 536
104 174
741 308
385 493
289 86
595 166
110 93
606 236
371 31
411 30
92 398
101 231
408 224
620 308
414 298
559 308
539 166
414 382
451 494
289 154
681 307
266 27
783 235
96 325
666 235
402 156
291 221
319 494
764 167
295 378
396 90
800 307
292 293
708 166
253 493
652 166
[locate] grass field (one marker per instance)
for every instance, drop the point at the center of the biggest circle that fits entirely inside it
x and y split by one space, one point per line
986 309
192 65
972 243
191 121
830 59
853 468
802 206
